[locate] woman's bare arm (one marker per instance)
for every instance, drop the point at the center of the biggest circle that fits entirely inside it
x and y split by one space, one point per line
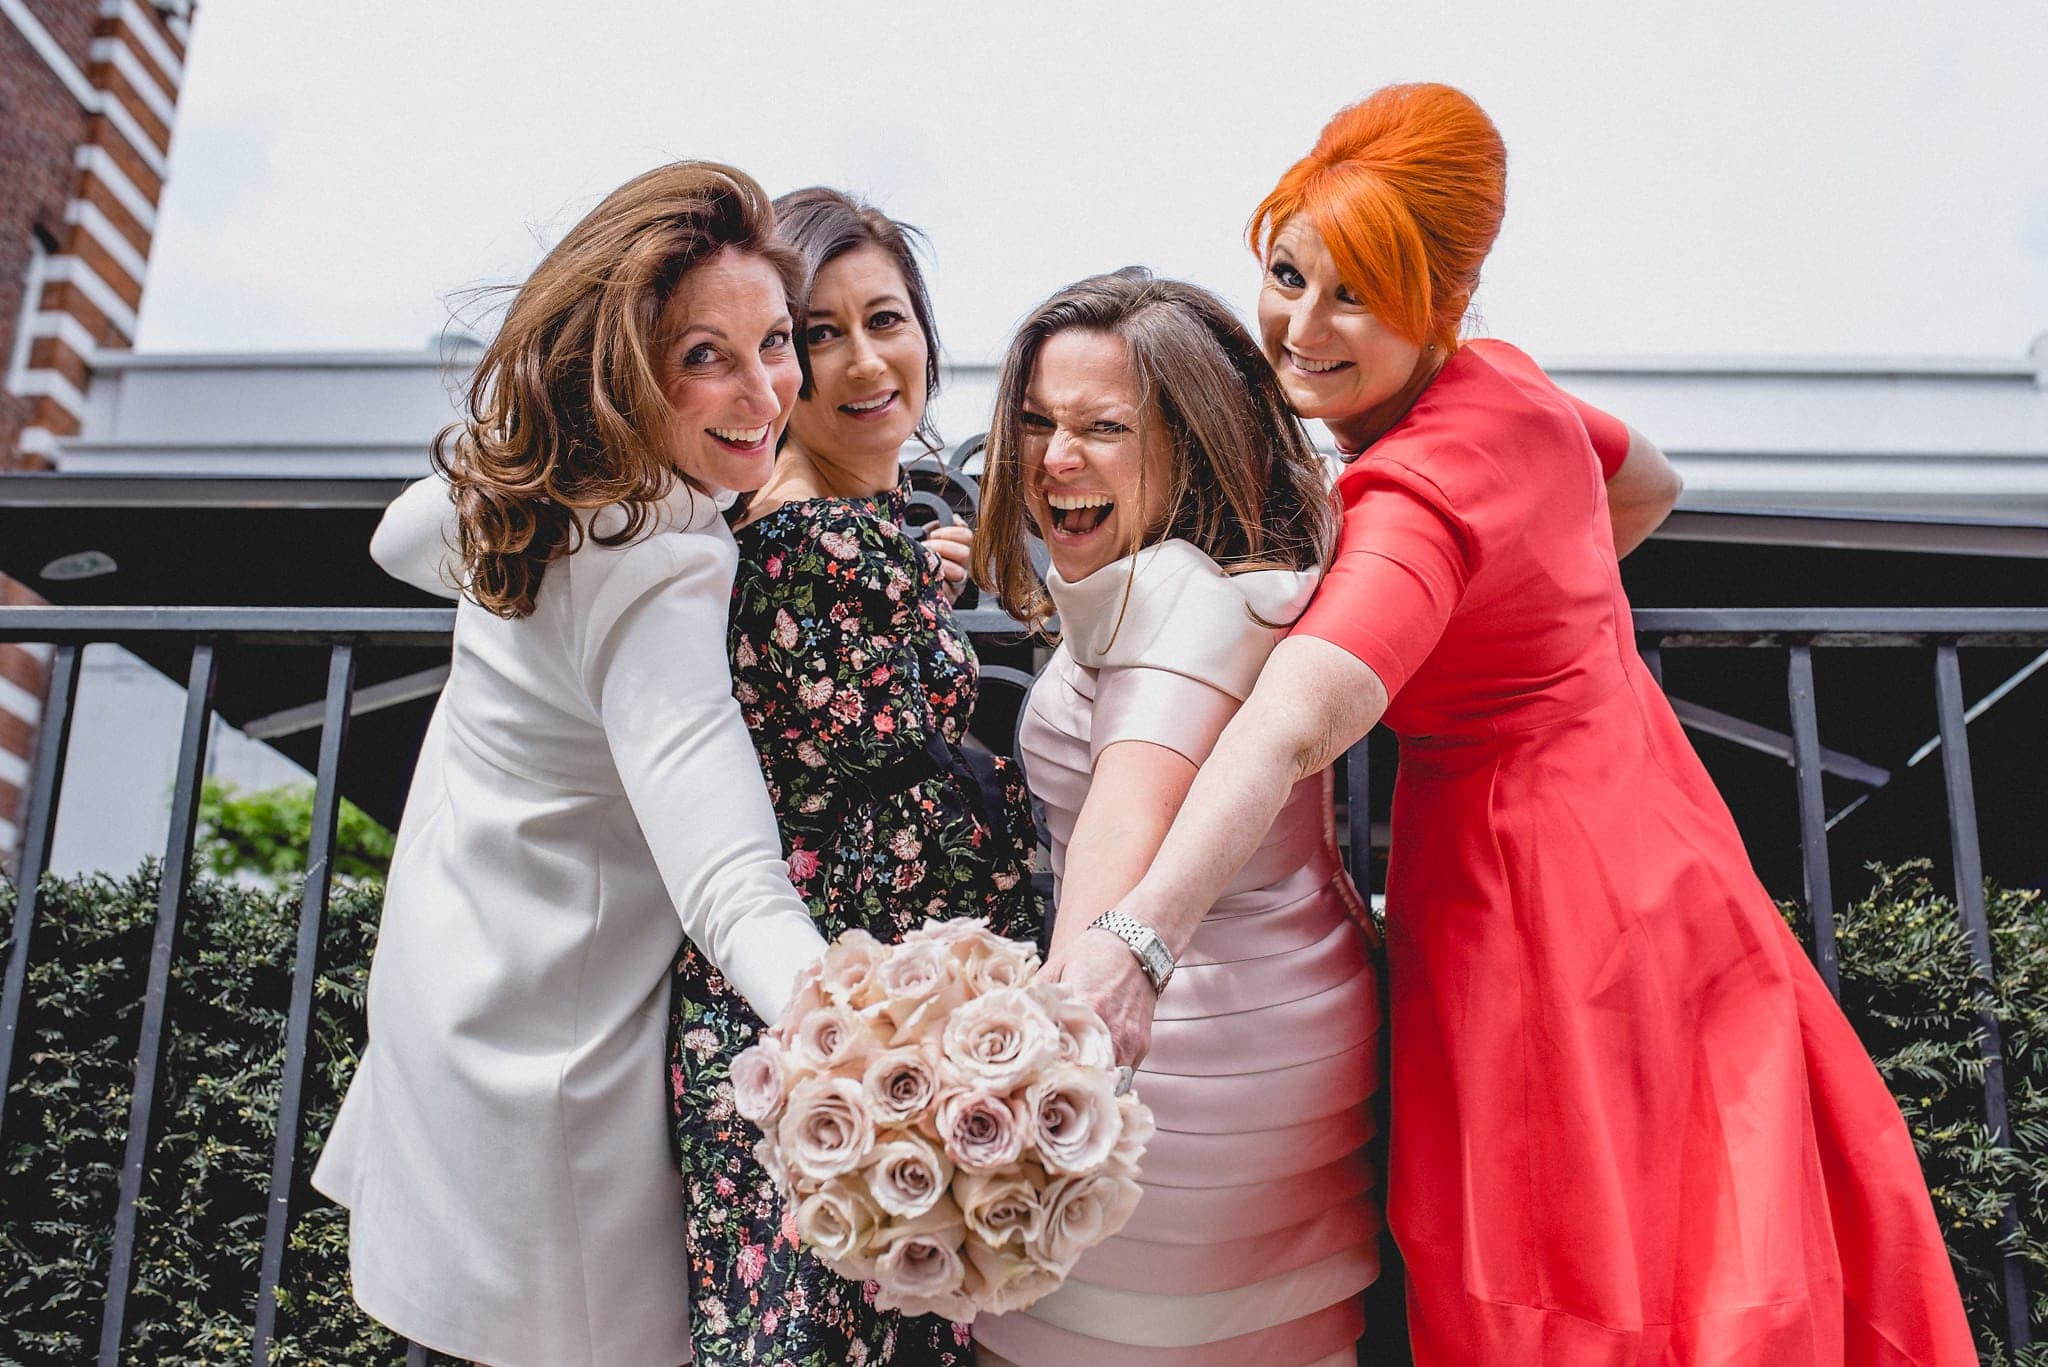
1313 701
1641 493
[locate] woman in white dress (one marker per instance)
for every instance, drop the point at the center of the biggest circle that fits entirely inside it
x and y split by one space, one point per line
1139 429
586 796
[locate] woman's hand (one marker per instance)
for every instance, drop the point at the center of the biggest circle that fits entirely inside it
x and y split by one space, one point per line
951 547
1107 975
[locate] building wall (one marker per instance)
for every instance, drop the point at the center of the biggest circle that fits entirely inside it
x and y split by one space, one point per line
88 100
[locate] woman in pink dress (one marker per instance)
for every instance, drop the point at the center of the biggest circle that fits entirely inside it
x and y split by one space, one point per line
1629 1124
1139 430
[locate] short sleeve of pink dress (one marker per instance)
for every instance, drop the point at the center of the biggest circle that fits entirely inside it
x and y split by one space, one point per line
1613 1068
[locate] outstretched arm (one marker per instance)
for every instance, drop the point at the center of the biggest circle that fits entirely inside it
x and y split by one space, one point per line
1136 790
1313 701
1641 493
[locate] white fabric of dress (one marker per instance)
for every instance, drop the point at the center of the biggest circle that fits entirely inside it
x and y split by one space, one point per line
1260 1221
586 795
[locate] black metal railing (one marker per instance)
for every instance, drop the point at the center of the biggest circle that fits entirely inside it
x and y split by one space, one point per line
346 633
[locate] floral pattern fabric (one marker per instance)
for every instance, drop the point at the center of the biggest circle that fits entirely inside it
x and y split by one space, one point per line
857 685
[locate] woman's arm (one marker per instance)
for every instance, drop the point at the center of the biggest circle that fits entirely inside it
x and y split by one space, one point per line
1313 701
1136 789
654 665
415 541
1641 493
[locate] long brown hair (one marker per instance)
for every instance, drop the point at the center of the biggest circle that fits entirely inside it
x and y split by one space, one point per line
568 408
1248 488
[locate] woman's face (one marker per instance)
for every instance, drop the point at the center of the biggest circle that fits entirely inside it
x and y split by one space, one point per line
868 359
1335 360
732 371
1096 460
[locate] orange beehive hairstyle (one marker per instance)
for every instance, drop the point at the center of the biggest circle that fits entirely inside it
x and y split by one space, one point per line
1406 189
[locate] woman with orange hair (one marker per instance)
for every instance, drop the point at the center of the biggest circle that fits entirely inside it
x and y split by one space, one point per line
1629 1124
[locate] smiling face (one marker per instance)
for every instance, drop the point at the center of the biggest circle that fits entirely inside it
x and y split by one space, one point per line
1096 460
868 358
732 372
1335 360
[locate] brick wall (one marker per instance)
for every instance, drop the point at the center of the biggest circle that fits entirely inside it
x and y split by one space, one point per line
88 102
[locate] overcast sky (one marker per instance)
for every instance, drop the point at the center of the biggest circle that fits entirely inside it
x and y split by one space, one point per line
1803 177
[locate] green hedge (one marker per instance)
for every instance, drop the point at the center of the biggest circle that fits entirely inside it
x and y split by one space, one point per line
1909 987
201 1228
1906 978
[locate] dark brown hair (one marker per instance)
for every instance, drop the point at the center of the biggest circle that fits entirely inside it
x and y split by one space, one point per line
821 225
1248 488
568 409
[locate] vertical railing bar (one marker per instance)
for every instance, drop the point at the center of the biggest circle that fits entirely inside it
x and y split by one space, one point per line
1653 660
341 673
53 736
1358 813
156 995
1969 868
1813 814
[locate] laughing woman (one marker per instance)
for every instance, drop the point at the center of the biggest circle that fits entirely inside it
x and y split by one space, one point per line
857 685
586 795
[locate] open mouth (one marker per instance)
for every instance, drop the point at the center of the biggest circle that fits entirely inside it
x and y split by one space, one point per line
1076 515
1308 366
740 438
871 408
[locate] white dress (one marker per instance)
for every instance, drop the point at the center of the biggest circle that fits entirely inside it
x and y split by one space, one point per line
587 794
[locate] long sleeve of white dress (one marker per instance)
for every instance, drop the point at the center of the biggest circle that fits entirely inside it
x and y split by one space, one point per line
653 656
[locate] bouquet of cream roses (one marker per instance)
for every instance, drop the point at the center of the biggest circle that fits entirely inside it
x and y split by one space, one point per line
943 1123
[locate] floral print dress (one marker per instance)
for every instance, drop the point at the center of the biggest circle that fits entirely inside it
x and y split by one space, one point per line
857 685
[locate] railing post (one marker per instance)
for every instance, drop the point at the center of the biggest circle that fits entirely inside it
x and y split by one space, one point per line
1813 815
53 734
341 674
177 872
1969 867
1358 812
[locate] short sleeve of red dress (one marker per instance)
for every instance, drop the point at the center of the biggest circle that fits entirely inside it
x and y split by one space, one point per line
1609 435
1403 559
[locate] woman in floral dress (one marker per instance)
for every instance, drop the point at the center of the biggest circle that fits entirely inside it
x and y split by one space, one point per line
857 686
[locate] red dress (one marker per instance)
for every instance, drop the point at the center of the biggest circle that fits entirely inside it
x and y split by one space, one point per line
1629 1124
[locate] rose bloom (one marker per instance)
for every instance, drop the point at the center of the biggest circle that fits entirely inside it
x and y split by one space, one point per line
1075 1118
907 1176
831 1037
838 1221
825 1130
1009 1279
1080 1212
848 978
982 1132
1083 1038
900 1084
757 1081
920 988
919 1268
1001 1207
1137 1132
770 1158
1000 1038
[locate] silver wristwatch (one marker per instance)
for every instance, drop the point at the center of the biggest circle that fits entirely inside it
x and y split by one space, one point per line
1144 942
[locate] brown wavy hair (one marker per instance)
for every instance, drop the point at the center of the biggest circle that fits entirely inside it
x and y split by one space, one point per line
568 408
1248 490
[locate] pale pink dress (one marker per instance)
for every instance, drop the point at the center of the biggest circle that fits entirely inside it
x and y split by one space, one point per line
1260 1222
